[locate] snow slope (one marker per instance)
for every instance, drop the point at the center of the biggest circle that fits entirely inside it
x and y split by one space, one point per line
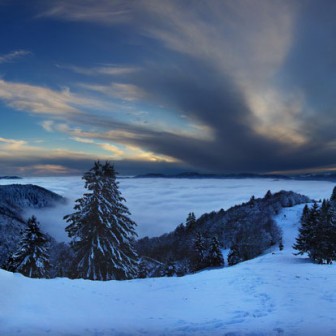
275 294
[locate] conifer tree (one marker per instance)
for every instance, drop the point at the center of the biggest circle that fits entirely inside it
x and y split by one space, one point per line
252 201
102 232
215 256
32 258
332 224
191 221
324 247
143 270
234 256
303 240
333 230
333 196
313 232
200 252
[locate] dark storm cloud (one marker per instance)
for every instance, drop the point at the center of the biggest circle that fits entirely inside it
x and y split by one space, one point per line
216 101
311 62
198 91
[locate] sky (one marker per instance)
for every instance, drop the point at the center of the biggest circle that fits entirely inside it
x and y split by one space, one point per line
167 86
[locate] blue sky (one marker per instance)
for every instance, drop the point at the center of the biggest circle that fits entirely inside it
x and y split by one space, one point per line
166 86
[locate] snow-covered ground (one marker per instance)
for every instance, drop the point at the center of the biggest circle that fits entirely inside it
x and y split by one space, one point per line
275 294
159 205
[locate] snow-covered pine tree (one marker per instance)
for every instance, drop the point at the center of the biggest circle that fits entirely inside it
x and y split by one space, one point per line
61 256
215 256
252 201
234 255
190 221
332 222
142 270
324 247
333 196
31 258
309 238
314 226
302 241
102 232
200 252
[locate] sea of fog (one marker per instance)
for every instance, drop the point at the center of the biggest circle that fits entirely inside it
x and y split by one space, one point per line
158 205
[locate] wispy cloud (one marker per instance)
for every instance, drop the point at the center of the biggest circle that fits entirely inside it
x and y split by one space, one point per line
25 157
83 140
47 169
103 11
47 125
12 56
24 149
107 70
11 144
127 92
126 148
41 100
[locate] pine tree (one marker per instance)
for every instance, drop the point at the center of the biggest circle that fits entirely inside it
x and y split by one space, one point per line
143 270
215 256
62 260
324 247
102 232
313 240
190 221
234 256
332 218
268 194
31 259
252 201
302 241
200 252
333 196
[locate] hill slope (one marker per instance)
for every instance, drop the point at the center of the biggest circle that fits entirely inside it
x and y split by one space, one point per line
274 294
14 199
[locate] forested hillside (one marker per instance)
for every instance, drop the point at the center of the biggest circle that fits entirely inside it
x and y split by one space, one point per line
247 229
13 200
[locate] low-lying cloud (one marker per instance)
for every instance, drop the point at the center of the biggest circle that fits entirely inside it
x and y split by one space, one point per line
159 205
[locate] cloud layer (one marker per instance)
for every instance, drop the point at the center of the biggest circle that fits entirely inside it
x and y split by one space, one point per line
159 205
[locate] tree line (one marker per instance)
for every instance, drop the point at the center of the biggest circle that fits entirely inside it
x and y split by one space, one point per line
317 232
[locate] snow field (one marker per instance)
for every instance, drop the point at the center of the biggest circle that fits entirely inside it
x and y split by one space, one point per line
274 294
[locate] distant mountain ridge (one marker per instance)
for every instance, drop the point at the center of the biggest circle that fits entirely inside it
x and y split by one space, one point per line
194 175
10 178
